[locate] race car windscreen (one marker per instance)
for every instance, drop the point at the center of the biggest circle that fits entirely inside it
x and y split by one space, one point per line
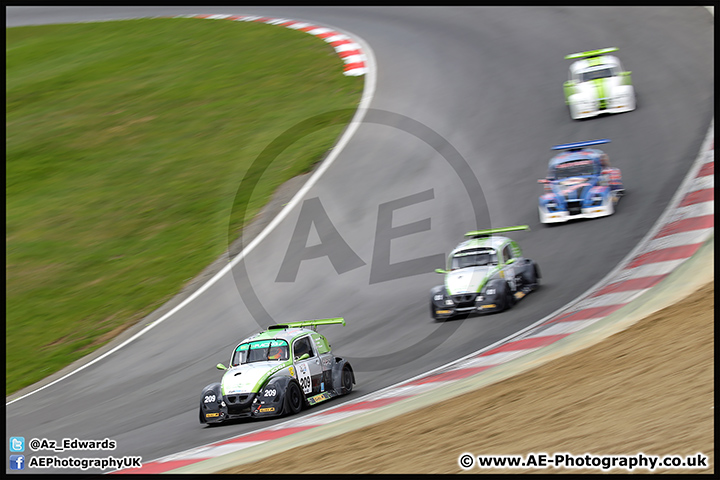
580 168
589 75
474 258
261 351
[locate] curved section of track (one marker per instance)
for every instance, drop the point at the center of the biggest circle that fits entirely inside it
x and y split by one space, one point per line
445 90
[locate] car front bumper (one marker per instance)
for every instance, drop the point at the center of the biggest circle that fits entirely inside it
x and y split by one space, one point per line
563 216
448 311
234 410
578 114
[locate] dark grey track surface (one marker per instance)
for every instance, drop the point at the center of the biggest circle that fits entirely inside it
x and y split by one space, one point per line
489 82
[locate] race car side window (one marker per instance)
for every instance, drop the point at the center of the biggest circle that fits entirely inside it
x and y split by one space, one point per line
507 253
302 346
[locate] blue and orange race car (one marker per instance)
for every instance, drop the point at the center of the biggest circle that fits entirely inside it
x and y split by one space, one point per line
580 183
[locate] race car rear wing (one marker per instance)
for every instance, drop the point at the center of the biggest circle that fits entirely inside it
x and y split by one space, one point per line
590 53
309 323
578 145
491 231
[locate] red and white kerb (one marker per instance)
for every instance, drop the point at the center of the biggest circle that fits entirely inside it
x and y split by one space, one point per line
347 49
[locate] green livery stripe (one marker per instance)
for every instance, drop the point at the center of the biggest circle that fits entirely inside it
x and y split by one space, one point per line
269 373
599 85
482 284
264 378
569 89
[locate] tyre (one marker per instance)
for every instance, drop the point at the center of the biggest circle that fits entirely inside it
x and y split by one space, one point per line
432 311
509 298
293 399
347 380
434 315
611 204
530 277
203 422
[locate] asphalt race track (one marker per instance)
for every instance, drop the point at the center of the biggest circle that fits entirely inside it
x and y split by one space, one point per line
467 105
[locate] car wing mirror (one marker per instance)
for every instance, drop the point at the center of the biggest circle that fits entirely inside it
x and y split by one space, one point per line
512 260
304 356
220 366
543 180
440 270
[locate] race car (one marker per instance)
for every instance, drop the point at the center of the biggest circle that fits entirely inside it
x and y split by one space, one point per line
485 273
277 372
580 183
598 84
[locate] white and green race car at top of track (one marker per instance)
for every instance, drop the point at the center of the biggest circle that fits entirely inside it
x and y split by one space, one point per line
598 84
278 372
485 273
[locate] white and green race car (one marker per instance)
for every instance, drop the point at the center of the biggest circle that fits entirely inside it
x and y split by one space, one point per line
277 372
486 273
598 84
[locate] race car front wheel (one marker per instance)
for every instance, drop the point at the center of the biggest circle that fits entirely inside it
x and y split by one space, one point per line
293 399
347 379
433 314
509 298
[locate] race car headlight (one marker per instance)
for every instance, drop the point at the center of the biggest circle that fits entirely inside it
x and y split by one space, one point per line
448 302
490 291
438 297
479 298
551 205
596 199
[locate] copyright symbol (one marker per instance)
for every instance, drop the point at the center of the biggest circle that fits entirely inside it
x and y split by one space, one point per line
466 461
34 444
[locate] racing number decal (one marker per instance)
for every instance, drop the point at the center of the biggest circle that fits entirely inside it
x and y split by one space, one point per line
304 377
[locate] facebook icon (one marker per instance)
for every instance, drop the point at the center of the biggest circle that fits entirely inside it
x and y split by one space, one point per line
17 462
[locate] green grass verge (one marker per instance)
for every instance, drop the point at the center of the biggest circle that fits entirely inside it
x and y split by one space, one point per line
126 142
